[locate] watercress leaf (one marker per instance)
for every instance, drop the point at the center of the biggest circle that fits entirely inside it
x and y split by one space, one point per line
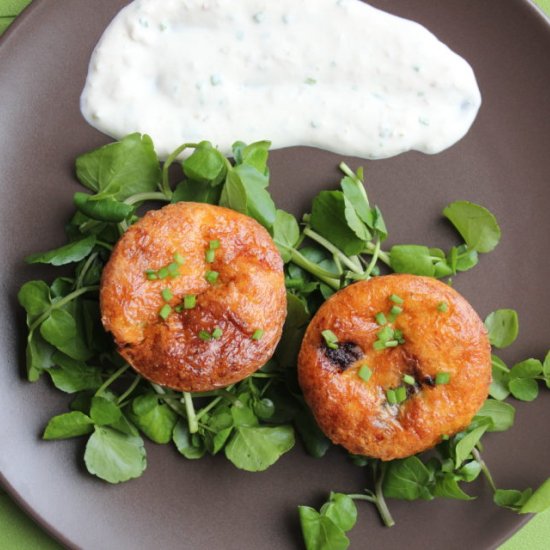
206 164
105 210
237 149
121 169
502 415
145 403
243 415
320 532
524 389
466 258
34 296
293 330
73 376
124 426
499 384
341 510
256 155
72 252
408 479
114 456
182 440
234 193
38 355
220 439
194 191
103 411
314 440
379 223
62 286
286 233
413 259
354 222
511 498
67 425
447 486
157 423
466 445
355 193
529 368
477 226
442 269
503 327
259 203
60 330
538 501
470 471
254 449
546 369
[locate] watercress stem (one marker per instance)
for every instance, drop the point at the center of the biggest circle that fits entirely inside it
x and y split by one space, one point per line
333 250
141 197
112 378
314 269
85 269
383 256
380 503
131 388
363 497
374 259
165 186
191 416
484 469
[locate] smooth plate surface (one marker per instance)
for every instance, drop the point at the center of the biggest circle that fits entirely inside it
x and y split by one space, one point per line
502 163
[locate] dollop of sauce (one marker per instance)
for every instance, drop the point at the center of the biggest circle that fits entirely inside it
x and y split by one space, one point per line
335 74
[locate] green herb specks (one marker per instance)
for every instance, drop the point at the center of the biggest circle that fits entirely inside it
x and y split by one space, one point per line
330 339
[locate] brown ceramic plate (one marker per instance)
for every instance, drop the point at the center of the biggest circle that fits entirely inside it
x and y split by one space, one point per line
502 163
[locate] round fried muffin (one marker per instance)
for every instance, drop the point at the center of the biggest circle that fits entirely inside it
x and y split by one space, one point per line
230 270
429 363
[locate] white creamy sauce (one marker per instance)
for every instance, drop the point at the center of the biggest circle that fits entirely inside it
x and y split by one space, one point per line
334 74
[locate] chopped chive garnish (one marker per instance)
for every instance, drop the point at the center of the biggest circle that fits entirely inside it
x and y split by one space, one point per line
214 245
258 333
173 269
210 256
178 258
391 344
385 334
189 301
380 318
442 378
151 274
162 273
400 394
205 336
444 437
364 373
178 308
408 379
167 294
396 299
165 310
442 307
391 397
211 276
330 338
396 310
216 333
378 345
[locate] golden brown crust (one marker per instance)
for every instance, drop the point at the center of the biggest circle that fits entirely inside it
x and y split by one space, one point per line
355 413
248 295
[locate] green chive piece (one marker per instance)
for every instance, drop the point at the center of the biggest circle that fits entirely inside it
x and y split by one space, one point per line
210 256
330 338
400 394
211 276
258 333
165 310
189 301
378 345
442 378
396 299
162 273
442 307
391 344
178 308
391 397
380 318
364 373
167 294
174 269
178 258
216 333
445 437
408 379
205 336
151 274
396 310
214 245
387 333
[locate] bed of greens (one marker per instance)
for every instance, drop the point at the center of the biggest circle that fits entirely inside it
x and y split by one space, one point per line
253 423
